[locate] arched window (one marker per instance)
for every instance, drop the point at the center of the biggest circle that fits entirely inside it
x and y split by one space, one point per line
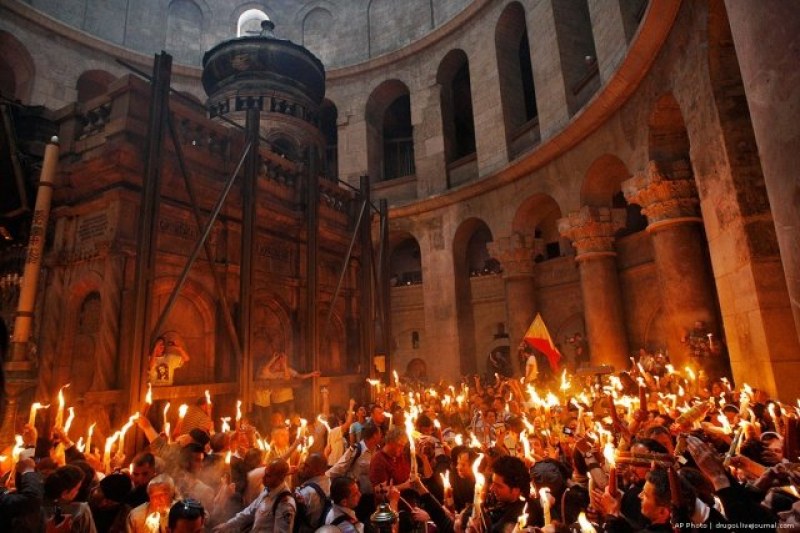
16 69
405 263
458 123
316 37
577 50
92 84
517 91
390 144
185 31
250 22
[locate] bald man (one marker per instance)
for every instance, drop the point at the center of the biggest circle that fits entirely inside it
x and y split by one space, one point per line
273 511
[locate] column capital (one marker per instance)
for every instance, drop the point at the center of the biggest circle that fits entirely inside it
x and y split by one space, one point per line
516 253
592 229
666 191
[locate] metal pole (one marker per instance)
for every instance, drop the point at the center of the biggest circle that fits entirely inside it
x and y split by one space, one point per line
249 204
312 278
206 231
147 237
367 313
218 284
383 284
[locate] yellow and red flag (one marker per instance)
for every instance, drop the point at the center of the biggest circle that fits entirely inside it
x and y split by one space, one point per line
538 337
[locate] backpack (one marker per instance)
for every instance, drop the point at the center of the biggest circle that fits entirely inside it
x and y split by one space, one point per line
301 518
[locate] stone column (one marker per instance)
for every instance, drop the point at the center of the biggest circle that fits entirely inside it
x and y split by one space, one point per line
516 254
591 231
668 196
767 40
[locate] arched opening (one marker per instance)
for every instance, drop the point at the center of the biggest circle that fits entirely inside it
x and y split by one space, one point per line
185 31
84 364
249 22
285 147
317 25
93 83
538 217
328 115
577 52
667 137
517 91
458 124
470 258
405 262
16 69
390 142
602 187
332 358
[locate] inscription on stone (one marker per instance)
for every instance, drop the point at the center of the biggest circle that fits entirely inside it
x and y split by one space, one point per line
92 227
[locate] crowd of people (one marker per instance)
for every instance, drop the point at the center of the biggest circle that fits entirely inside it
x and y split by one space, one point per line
648 449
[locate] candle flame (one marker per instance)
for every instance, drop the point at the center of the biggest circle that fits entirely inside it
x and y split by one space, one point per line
526 444
19 445
182 410
226 427
609 454
324 422
459 439
446 480
80 446
670 369
153 522
522 519
148 398
480 479
70 418
374 382
228 458
564 381
238 411
208 397
690 373
396 378
586 526
726 426
35 407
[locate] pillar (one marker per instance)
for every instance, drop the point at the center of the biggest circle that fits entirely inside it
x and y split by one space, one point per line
516 253
591 231
668 196
766 36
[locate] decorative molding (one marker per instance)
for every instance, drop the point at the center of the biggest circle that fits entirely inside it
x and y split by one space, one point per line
666 192
592 230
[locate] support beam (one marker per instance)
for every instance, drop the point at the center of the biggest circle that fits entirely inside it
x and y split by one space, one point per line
312 278
147 237
366 311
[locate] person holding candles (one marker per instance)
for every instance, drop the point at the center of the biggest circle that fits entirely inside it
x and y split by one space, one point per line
161 493
509 491
166 357
20 508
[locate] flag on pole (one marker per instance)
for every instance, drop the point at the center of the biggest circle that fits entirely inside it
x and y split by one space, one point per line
538 337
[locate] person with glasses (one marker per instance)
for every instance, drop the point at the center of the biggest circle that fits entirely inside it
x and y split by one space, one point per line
273 511
186 516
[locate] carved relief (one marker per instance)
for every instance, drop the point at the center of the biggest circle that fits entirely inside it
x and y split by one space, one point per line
592 229
665 191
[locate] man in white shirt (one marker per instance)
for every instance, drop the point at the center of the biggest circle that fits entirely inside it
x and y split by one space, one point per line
354 464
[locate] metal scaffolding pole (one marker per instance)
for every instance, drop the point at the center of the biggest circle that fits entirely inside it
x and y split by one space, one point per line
147 238
312 277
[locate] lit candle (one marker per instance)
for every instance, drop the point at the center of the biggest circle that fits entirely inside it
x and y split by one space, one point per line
396 378
182 411
526 444
411 444
608 452
586 526
70 418
128 425
208 402
480 482
166 424
238 414
226 427
228 458
107 452
148 398
522 519
710 341
35 407
89 437
153 522
19 445
80 446
324 422
59 422
544 500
